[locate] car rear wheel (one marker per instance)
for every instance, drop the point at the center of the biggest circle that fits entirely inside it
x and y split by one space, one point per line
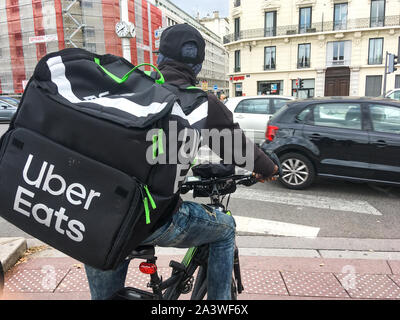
298 171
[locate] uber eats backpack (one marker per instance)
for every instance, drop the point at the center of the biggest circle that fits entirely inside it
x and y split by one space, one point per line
95 155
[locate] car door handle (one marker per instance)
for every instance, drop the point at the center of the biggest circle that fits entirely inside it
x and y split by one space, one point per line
315 136
380 143
240 117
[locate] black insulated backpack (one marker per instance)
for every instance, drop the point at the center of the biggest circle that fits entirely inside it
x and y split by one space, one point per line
74 164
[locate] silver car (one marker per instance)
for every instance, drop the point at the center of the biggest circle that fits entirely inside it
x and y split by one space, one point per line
253 113
7 110
394 94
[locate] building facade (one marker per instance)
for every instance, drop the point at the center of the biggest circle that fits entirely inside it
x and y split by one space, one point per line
337 47
215 67
218 25
30 29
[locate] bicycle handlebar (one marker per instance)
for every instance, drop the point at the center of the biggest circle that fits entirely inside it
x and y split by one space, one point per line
224 185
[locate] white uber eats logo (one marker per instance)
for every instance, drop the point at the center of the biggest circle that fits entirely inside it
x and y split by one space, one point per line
75 193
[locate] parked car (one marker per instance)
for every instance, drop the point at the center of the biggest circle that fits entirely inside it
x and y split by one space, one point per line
356 139
253 113
394 94
10 100
7 110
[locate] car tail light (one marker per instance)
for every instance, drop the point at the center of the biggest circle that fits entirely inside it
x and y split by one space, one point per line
271 132
148 268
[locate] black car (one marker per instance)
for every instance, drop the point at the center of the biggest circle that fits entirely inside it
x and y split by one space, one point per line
356 139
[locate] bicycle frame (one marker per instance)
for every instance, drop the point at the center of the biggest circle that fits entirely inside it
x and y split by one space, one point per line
182 276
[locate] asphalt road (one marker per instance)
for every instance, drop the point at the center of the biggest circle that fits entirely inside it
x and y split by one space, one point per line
328 209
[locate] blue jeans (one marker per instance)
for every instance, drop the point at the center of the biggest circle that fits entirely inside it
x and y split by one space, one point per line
191 226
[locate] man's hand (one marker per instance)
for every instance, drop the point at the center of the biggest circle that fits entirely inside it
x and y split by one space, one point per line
262 179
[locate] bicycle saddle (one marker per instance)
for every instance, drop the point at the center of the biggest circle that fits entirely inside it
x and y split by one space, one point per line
143 252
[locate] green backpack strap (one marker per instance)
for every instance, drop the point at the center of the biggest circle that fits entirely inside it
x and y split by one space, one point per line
125 77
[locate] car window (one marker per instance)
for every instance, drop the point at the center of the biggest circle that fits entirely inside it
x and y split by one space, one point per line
385 118
279 103
337 115
302 116
4 106
394 95
255 106
10 101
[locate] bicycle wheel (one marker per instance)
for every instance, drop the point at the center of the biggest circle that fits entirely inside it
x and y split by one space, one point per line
234 291
200 285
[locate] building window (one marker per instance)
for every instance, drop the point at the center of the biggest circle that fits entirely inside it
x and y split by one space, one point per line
373 86
398 53
304 54
377 13
397 82
237 61
375 55
91 47
237 29
305 19
269 58
340 16
274 87
338 53
90 32
270 24
236 3
19 51
308 90
87 3
238 89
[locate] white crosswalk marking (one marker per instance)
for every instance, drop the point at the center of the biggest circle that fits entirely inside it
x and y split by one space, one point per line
262 226
306 200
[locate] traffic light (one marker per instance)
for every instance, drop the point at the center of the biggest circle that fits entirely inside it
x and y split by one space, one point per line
299 83
393 61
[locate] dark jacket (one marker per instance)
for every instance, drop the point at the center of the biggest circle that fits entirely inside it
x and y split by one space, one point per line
219 116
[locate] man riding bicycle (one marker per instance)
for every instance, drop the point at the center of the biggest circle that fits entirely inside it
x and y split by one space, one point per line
181 54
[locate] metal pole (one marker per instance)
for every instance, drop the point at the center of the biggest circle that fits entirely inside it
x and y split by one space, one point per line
385 78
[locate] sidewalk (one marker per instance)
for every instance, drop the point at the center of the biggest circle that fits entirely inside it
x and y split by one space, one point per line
49 275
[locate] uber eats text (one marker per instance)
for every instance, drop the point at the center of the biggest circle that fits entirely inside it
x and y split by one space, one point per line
48 181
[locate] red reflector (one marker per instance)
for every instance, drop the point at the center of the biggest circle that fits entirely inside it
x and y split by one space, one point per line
148 268
271 132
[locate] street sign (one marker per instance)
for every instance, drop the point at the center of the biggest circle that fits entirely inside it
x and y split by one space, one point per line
215 87
158 32
41 39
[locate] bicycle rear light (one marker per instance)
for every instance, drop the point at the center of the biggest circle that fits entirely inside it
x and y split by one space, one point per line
148 268
271 132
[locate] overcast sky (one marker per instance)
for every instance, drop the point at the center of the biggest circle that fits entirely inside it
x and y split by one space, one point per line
203 6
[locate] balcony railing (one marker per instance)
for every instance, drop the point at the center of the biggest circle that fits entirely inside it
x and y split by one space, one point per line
353 24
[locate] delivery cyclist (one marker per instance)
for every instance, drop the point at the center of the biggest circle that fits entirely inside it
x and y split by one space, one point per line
181 54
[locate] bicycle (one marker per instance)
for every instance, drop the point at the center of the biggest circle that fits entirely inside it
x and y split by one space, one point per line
182 280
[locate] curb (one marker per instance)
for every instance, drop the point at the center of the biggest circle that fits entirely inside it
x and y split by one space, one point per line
11 249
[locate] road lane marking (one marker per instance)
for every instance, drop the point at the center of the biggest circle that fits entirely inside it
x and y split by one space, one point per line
306 200
269 227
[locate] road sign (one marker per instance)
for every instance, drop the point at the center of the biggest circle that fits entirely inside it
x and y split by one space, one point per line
215 87
158 32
